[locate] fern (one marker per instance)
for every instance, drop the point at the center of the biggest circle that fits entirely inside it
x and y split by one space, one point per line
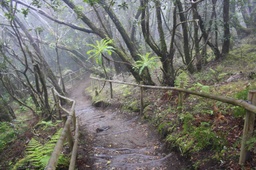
38 155
183 79
202 88
46 124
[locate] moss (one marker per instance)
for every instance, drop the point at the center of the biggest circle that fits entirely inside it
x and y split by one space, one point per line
98 101
133 106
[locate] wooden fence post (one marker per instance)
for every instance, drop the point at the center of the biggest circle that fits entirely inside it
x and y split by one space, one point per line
74 151
248 128
111 89
57 101
141 99
70 79
74 119
69 137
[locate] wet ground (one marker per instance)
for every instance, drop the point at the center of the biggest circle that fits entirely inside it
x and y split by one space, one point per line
116 141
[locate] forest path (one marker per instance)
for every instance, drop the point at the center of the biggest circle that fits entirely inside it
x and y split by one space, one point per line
111 140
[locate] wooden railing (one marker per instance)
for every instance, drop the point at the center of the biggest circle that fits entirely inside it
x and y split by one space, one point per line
70 77
69 119
249 105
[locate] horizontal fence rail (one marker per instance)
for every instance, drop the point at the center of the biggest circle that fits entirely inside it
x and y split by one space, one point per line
248 105
71 76
66 132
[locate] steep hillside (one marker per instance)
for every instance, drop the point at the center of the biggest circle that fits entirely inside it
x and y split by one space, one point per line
205 132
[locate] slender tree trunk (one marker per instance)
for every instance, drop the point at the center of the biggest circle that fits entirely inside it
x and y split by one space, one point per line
226 36
10 110
46 107
132 49
186 47
166 57
205 35
108 29
198 56
48 70
241 30
145 76
59 69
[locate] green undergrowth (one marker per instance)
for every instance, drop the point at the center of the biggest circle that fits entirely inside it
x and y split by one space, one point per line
99 96
10 131
8 134
206 132
38 154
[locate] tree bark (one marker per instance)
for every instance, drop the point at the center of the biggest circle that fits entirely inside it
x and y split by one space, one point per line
186 47
166 57
226 36
145 77
205 35
198 56
47 68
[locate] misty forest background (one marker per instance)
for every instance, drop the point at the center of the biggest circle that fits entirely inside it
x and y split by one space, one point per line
152 41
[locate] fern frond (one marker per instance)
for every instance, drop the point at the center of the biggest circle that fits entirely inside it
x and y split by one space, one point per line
38 155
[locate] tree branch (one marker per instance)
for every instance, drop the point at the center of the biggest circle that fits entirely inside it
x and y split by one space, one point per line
55 20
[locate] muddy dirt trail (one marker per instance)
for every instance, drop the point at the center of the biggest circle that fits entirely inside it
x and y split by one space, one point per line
112 140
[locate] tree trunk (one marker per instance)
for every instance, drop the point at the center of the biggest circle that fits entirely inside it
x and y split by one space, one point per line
132 49
226 36
47 68
145 76
199 59
205 35
59 69
186 47
166 57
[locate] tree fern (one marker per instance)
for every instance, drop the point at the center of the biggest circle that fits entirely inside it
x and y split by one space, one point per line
182 79
38 155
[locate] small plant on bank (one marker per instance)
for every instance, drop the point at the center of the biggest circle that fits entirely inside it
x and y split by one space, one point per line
251 143
217 73
242 95
194 138
182 80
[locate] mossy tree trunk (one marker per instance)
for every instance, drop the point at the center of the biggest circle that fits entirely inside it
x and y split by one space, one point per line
166 56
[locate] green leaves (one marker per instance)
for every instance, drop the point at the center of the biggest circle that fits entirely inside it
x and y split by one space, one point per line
182 79
79 11
99 49
25 11
8 134
123 6
38 155
145 62
91 2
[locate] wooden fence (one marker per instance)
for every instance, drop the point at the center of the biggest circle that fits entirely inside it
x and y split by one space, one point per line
71 76
69 119
248 105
